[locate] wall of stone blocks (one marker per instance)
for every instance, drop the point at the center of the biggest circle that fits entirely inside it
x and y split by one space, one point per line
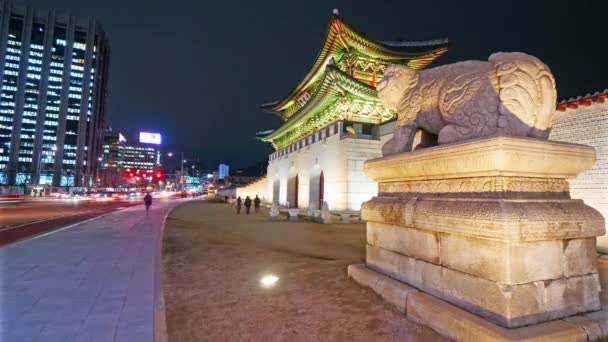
360 187
258 187
588 126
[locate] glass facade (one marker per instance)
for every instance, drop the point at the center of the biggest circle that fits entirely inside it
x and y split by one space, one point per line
113 149
53 102
52 85
138 157
8 96
90 103
32 90
74 97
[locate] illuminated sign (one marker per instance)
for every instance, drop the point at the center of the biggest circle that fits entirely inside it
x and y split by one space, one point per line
149 138
192 180
121 138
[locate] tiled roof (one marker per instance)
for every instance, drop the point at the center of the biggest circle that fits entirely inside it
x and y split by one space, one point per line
340 37
585 101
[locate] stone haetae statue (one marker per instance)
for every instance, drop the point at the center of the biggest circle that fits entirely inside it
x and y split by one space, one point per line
511 94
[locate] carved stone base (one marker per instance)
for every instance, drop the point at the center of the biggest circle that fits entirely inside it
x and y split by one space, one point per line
506 305
461 325
489 226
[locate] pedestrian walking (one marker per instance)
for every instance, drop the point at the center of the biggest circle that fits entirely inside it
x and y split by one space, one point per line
256 203
148 202
238 205
247 204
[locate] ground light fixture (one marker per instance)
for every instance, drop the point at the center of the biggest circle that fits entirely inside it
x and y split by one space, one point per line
269 280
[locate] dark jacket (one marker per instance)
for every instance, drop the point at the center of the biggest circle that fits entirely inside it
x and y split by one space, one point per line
148 199
248 202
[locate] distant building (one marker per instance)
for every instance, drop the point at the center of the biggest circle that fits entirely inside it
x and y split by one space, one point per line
113 154
120 156
139 157
224 171
54 73
113 148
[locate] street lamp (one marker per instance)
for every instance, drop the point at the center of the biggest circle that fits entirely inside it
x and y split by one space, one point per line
170 154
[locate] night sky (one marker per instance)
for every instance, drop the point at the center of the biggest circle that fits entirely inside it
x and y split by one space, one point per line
198 70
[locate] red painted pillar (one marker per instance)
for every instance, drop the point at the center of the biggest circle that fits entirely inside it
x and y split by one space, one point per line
297 190
321 190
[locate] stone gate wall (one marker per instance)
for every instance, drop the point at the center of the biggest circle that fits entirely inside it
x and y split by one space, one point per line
588 126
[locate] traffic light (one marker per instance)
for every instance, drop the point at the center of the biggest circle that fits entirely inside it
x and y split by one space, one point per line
131 174
159 175
144 175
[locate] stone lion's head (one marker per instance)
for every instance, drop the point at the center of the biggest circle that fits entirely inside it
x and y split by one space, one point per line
397 80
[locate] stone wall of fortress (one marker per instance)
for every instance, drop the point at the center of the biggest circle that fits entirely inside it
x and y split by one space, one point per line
255 188
588 126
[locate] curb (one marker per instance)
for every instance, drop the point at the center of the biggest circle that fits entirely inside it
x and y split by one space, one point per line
160 315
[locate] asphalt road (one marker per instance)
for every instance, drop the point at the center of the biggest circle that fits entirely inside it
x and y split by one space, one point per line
25 219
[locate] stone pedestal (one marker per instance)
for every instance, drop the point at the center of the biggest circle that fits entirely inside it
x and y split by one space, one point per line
488 225
325 214
293 214
274 211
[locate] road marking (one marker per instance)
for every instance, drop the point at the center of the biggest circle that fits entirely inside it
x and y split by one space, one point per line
27 238
39 221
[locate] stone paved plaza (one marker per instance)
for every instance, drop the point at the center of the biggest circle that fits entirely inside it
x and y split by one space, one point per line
90 282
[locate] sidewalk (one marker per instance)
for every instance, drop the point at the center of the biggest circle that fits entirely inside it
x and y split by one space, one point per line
90 282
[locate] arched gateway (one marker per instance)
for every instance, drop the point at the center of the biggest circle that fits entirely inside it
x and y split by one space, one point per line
293 185
317 188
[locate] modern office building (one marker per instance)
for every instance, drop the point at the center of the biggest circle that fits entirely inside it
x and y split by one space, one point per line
139 157
113 148
109 171
54 76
